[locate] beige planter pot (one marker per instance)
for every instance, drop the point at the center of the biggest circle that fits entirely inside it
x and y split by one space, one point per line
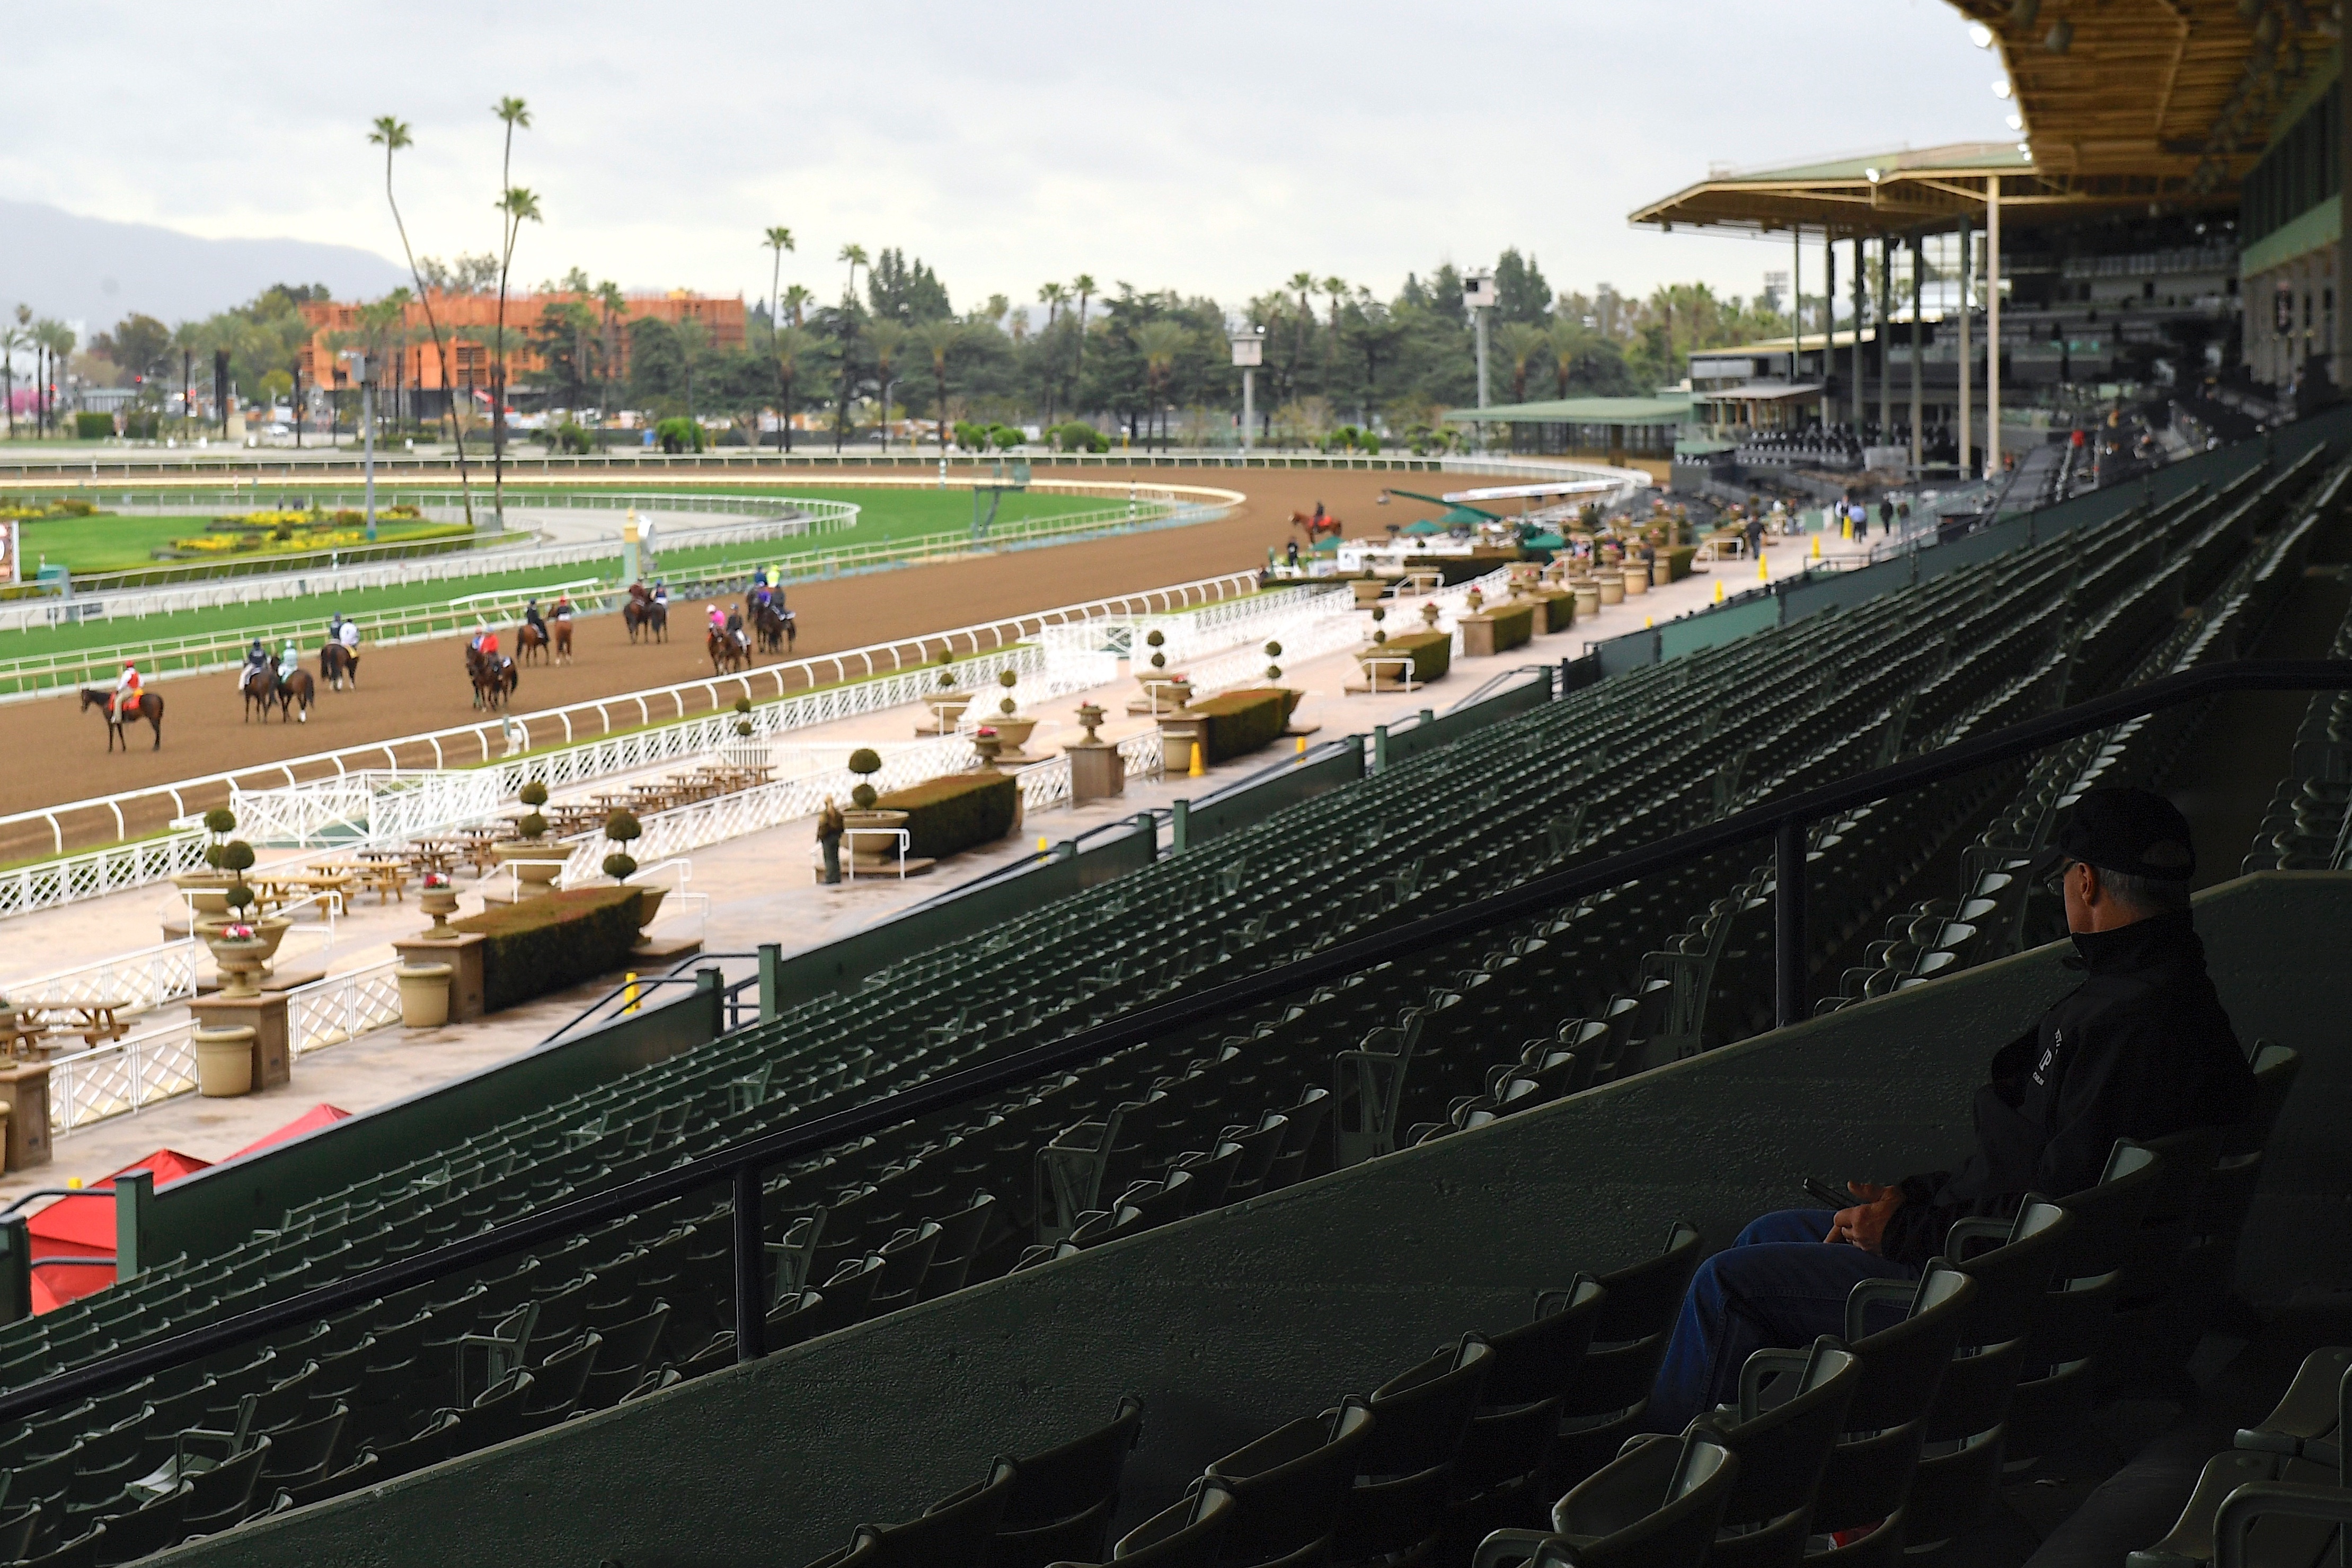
1612 588
649 903
536 862
1587 598
946 708
240 961
270 931
1369 590
224 1061
424 995
1014 733
440 902
871 852
1637 578
1662 572
206 891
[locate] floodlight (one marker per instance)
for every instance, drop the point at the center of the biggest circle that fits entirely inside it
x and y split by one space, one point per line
1980 35
2000 87
2017 123
1871 175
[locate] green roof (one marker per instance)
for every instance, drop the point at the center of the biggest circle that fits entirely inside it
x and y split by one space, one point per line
1670 409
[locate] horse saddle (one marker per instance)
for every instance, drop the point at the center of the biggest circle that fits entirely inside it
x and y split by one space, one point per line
126 704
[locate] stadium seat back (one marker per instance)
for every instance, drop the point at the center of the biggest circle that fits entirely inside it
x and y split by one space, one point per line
1288 1485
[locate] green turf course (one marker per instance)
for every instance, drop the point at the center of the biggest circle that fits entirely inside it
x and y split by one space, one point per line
886 515
125 543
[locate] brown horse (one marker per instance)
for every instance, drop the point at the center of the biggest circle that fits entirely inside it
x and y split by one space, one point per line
727 654
258 687
295 694
529 639
1314 528
149 706
337 665
774 627
494 681
561 626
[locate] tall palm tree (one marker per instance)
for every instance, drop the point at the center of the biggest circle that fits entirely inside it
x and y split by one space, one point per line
517 207
854 254
56 340
392 135
942 339
1335 290
1053 297
1562 334
1083 283
1521 343
513 112
612 305
12 341
886 335
778 239
1304 282
791 344
797 301
1160 342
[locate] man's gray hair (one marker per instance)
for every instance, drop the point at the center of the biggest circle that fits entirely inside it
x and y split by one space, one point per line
2148 895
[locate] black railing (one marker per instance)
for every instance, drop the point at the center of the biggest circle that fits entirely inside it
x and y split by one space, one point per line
740 1170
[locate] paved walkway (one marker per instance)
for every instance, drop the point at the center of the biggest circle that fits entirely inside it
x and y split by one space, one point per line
759 887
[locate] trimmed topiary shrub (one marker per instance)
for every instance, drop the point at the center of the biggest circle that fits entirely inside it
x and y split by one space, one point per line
1558 607
1240 722
1432 651
1514 624
553 942
956 812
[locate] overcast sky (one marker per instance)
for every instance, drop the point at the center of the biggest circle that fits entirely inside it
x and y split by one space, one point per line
1216 147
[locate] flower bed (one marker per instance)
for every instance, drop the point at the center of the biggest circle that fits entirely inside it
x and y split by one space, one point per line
1432 654
1240 722
554 942
944 815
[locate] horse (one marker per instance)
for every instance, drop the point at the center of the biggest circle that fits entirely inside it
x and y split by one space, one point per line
561 626
493 683
657 620
337 665
774 627
259 686
727 650
295 692
1315 528
149 707
529 639
635 614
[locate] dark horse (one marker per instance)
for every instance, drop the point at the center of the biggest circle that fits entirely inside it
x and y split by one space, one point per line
727 651
494 681
775 627
529 639
648 615
150 709
295 693
337 665
258 687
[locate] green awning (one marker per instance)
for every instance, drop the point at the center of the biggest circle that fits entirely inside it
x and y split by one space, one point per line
1672 409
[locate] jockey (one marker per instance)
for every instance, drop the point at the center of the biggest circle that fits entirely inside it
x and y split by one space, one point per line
718 621
562 610
533 619
289 661
256 657
335 627
661 593
126 690
735 628
350 637
758 597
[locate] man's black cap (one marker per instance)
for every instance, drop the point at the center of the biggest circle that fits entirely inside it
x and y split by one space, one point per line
2133 833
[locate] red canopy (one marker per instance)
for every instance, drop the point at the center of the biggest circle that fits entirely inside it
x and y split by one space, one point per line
316 1116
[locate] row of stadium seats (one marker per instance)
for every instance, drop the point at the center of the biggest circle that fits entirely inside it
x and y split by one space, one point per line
1526 1444
2308 824
1148 1134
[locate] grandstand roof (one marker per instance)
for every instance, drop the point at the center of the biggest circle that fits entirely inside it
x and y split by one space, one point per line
1666 409
2165 101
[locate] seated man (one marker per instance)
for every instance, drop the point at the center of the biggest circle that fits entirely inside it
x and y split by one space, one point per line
2139 1050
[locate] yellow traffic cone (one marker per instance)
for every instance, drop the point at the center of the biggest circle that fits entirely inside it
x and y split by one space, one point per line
1817 546
1196 769
1302 745
1718 590
1763 569
629 996
1043 846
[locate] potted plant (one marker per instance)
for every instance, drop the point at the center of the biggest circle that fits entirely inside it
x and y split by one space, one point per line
1012 727
438 899
988 743
741 750
206 890
1156 680
224 1061
237 949
947 704
623 828
424 995
870 851
535 857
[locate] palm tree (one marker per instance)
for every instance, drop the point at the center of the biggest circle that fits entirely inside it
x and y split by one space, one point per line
1521 343
778 239
792 343
513 111
1562 337
12 339
57 342
1336 289
797 301
517 206
854 254
392 135
1085 285
1053 297
1160 342
942 337
613 305
885 336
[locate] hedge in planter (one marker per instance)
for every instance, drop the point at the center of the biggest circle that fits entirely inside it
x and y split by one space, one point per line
554 942
1559 608
1432 654
955 813
1240 722
1514 624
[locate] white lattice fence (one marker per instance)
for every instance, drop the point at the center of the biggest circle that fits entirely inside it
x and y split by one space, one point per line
99 873
343 1007
138 982
121 1076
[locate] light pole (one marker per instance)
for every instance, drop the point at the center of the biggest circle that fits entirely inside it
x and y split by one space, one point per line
1479 297
1249 352
359 362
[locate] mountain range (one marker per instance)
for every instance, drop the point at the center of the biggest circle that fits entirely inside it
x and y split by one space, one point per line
97 271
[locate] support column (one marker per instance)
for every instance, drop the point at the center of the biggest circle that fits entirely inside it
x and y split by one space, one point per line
1967 392
1796 298
1918 347
1992 327
1829 328
2342 346
1885 322
1860 296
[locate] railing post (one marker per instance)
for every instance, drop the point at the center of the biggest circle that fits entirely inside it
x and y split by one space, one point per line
751 1268
772 965
1788 942
15 1269
1180 821
709 982
1379 748
134 1198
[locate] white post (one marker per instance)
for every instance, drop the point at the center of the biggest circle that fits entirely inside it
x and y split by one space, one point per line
1249 352
1249 409
1479 297
1992 327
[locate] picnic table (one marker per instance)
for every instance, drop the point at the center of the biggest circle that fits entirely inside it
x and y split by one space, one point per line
434 854
385 871
95 1021
279 889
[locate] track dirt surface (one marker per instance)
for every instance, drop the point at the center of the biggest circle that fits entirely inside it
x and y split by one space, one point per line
57 753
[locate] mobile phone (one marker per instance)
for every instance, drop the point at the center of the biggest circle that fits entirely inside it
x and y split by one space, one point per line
1822 1192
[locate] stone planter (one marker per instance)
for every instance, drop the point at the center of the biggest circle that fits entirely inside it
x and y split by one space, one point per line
1588 596
872 853
1637 576
946 708
1369 591
536 862
649 903
1613 586
224 1061
240 959
206 892
1013 731
440 902
1662 572
424 995
270 931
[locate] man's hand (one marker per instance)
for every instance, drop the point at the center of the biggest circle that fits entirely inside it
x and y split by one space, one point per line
1864 1224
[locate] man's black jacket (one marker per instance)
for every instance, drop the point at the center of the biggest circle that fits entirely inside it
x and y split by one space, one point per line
2139 1050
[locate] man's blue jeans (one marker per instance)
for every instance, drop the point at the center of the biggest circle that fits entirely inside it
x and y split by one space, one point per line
1779 1285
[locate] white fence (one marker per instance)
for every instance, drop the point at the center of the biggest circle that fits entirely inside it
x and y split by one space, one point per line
128 1076
373 806
1046 785
97 872
135 982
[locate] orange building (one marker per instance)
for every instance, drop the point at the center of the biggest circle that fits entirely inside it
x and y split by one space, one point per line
468 325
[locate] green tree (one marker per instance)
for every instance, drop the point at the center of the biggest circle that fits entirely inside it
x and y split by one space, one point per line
778 239
794 346
513 113
1083 286
1159 342
1519 342
1520 292
900 290
845 328
883 338
138 345
612 305
941 340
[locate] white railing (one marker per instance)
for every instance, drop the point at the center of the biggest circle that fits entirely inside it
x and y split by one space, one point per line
136 982
375 805
1254 619
1247 666
1047 784
97 872
342 1007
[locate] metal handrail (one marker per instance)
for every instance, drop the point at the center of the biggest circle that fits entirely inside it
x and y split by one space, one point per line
742 1168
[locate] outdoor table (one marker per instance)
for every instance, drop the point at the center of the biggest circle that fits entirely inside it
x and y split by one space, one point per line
95 1021
432 854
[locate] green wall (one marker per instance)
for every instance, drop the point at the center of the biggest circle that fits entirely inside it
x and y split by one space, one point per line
1233 1322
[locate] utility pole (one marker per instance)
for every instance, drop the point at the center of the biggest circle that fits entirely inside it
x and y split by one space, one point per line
360 370
1249 352
1918 332
1478 298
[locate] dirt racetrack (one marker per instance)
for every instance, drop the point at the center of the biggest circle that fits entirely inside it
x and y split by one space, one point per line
58 754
